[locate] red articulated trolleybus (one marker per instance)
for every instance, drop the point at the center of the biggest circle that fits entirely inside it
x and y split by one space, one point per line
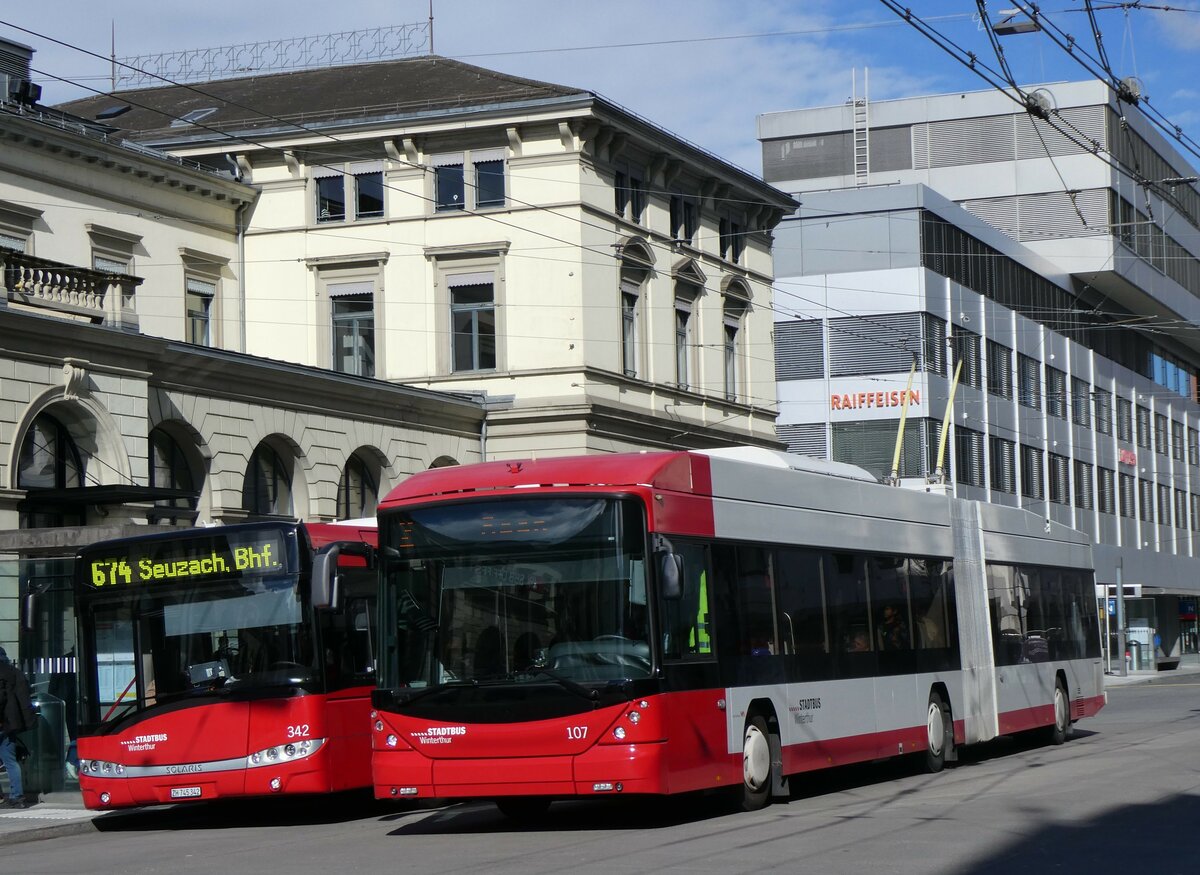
670 622
224 662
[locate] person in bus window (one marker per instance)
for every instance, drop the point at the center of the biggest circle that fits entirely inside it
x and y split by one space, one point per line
893 631
858 641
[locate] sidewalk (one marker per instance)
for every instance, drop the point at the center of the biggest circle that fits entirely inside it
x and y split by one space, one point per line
1188 665
57 814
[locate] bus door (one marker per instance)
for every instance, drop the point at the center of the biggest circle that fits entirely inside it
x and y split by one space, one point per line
348 636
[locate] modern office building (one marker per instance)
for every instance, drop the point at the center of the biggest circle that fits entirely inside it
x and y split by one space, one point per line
1054 266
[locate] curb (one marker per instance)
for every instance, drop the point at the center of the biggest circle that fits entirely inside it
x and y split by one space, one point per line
54 830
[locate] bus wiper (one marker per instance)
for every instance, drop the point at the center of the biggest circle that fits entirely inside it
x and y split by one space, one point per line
409 698
589 693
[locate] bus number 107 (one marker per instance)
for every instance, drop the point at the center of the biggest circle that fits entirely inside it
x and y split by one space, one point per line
576 733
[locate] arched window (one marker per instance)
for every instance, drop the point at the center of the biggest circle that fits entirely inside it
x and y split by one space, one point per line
267 490
49 457
357 493
170 469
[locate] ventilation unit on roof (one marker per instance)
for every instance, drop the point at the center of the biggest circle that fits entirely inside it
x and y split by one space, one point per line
15 83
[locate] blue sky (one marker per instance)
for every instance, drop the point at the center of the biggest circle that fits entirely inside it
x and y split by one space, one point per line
703 69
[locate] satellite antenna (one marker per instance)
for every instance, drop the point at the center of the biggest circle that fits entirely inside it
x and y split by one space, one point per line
1041 102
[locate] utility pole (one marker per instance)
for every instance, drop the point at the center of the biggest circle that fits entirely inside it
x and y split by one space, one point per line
1121 644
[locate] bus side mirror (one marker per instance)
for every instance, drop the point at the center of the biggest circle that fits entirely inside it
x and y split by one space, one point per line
670 575
325 570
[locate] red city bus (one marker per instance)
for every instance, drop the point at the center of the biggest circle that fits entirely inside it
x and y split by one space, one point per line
226 661
671 622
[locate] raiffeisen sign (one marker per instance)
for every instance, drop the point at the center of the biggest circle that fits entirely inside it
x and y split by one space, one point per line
874 400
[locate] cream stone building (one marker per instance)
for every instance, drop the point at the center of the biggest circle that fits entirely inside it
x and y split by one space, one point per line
435 224
113 418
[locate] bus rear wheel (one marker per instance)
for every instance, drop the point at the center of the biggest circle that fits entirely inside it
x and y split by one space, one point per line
756 765
939 733
523 809
1058 731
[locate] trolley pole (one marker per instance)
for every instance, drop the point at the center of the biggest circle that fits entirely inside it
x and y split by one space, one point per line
1121 644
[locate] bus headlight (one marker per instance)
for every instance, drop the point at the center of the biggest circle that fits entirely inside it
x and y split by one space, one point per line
101 767
289 752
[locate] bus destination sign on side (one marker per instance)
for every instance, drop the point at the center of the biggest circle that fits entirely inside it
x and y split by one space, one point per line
193 559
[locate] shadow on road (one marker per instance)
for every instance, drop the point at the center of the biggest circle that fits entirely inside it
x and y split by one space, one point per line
638 813
240 813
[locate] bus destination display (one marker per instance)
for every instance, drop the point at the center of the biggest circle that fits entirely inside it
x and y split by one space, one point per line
186 560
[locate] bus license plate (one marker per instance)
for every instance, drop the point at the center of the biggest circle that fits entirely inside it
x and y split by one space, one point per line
185 792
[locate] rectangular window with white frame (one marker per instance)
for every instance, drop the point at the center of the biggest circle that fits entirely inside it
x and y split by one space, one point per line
732 237
16 226
732 319
685 302
470 180
631 294
629 189
199 295
348 192
472 321
352 316
685 218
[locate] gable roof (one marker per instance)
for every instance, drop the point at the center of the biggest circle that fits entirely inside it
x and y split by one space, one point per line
281 102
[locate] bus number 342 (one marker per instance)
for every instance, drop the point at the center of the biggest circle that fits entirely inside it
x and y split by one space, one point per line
576 733
298 730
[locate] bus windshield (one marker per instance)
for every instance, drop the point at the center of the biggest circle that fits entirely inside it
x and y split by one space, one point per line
171 619
515 590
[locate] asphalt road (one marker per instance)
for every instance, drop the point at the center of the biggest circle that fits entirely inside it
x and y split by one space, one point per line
1122 796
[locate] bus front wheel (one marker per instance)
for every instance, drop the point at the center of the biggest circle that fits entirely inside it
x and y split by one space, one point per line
1057 732
939 733
756 764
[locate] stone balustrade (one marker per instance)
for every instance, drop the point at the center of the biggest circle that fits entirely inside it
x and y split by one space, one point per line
68 289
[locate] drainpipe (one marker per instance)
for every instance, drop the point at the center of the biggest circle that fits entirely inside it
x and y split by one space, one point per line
241 244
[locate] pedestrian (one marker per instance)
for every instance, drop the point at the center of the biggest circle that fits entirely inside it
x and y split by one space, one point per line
16 715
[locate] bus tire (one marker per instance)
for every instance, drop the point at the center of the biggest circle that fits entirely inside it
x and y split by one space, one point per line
1057 732
523 809
756 764
939 733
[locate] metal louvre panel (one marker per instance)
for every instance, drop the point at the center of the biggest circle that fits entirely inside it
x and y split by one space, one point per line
872 444
799 350
805 438
920 146
968 456
1052 215
999 212
877 345
1004 464
200 287
1080 123
891 149
971 141
1059 479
